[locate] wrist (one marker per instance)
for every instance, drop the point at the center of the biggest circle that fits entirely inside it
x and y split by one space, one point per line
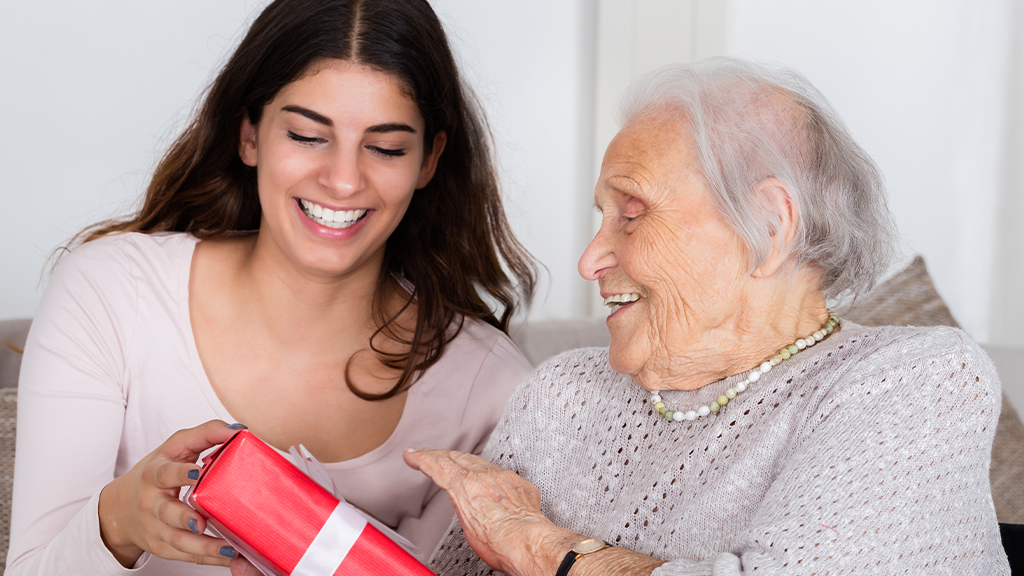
581 549
124 551
541 548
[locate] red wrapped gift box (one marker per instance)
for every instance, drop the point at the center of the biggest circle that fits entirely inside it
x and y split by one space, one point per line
283 520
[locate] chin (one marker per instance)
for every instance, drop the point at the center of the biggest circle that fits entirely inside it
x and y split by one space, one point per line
617 358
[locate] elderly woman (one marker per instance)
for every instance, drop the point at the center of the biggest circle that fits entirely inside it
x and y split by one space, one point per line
735 425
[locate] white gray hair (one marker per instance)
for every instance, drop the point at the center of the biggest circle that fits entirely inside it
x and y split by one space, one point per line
750 122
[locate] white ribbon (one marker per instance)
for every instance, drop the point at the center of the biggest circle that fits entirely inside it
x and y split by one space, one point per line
315 469
337 536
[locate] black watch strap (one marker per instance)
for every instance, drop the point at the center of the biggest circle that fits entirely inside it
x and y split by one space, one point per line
570 558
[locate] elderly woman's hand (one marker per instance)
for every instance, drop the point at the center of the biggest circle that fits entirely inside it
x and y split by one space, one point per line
499 511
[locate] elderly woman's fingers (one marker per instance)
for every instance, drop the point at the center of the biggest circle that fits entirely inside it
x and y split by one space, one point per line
499 511
444 466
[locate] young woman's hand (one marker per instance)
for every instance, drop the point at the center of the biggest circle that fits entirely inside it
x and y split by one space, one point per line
140 511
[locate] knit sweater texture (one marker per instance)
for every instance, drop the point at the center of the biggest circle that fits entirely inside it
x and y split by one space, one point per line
867 453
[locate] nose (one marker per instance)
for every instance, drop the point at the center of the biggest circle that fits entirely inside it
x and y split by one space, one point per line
599 257
342 172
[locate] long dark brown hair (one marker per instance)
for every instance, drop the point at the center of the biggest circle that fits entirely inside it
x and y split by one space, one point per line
454 242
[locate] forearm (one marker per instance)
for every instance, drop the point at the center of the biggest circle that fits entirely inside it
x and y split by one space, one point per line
77 549
557 542
615 560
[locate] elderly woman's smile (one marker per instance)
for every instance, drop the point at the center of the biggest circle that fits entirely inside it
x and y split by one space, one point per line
669 266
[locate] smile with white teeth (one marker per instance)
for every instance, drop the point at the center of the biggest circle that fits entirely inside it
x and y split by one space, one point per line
615 301
330 218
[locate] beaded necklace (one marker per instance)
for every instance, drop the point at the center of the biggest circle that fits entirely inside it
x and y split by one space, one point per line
786 353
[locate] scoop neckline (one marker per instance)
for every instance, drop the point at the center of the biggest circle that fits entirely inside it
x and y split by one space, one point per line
185 319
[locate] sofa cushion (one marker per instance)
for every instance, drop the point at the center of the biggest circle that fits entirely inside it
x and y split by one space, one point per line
14 332
8 423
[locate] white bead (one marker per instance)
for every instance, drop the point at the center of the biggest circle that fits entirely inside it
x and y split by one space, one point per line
678 416
655 397
691 415
810 341
801 344
818 336
703 411
765 367
740 387
730 393
754 376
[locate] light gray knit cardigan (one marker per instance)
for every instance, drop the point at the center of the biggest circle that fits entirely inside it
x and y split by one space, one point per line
867 454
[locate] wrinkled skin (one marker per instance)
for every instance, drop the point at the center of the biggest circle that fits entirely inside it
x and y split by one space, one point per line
702 315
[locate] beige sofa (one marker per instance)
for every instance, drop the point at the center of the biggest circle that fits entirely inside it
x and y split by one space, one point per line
907 299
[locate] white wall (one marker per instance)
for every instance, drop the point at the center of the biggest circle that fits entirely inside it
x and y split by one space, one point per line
923 86
92 97
88 100
531 62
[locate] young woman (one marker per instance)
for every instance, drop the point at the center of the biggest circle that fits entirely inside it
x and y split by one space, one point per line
318 256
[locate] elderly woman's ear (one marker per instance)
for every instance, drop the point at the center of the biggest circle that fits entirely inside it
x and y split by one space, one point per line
776 199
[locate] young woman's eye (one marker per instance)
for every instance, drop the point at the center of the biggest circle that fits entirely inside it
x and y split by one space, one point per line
389 152
305 139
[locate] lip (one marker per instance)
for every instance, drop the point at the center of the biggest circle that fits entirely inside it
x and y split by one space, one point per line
333 234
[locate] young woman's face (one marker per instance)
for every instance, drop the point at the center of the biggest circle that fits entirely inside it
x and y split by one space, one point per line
338 154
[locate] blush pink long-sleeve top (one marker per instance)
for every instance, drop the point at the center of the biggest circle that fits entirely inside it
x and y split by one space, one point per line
111 370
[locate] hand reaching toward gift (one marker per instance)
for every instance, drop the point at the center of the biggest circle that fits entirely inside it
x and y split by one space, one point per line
499 511
140 511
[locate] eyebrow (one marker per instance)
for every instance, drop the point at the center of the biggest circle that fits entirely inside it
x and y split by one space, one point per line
314 116
392 127
375 129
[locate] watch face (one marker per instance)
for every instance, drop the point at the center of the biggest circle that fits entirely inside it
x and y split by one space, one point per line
589 545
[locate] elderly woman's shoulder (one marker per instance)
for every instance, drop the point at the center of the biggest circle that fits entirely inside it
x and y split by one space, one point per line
909 350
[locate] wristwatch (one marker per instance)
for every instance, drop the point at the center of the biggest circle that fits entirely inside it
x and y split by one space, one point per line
588 546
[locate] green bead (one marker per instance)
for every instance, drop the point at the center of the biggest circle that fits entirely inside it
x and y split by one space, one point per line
668 414
829 328
785 354
714 406
793 349
659 406
723 400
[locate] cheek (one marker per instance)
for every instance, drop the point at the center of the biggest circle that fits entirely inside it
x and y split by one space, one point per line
279 170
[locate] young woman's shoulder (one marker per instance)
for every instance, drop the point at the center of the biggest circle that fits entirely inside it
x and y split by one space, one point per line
104 282
121 256
478 371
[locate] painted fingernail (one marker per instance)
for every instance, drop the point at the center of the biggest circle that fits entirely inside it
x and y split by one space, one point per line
193 474
237 426
192 525
227 551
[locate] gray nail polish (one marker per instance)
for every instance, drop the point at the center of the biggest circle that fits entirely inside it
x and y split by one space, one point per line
192 525
227 551
193 474
237 426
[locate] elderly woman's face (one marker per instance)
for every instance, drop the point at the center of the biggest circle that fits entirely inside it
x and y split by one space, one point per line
664 251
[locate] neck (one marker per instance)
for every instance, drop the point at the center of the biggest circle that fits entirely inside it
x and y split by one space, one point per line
774 313
305 310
